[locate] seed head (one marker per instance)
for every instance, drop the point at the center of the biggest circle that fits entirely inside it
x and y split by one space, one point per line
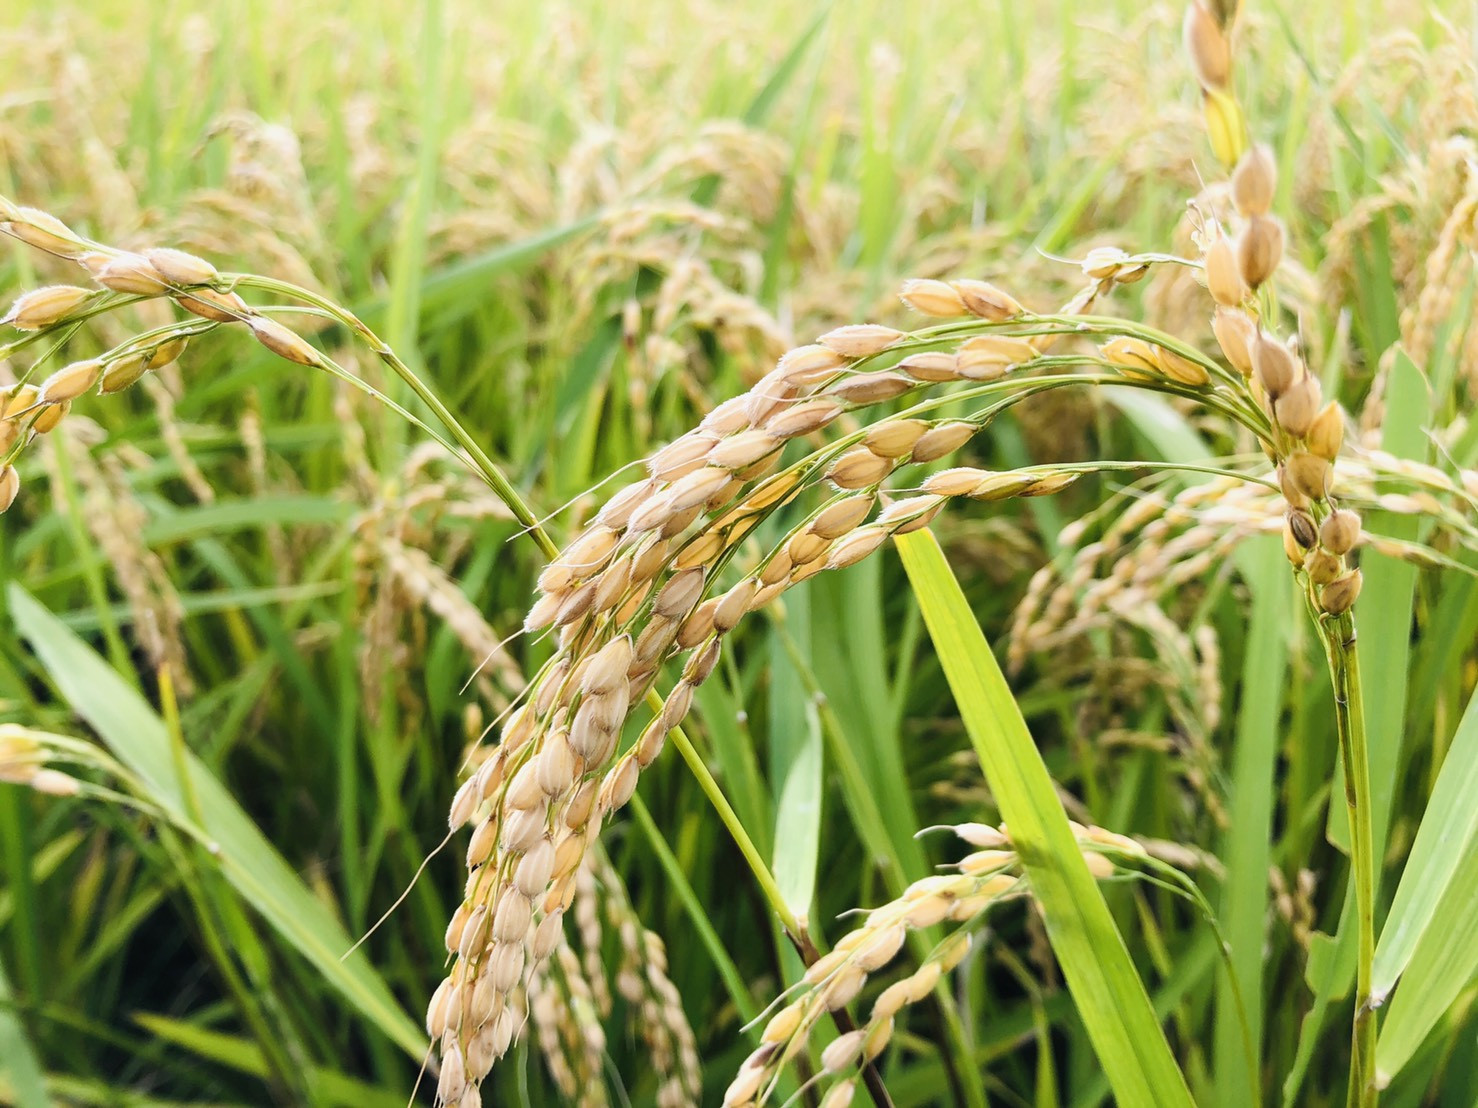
943 438
744 448
619 784
858 468
851 549
122 372
986 357
130 273
1339 595
806 546
840 1095
1291 550
607 669
860 340
931 366
1276 367
453 1080
842 1051
10 487
1296 497
1223 278
695 489
732 415
1001 486
543 612
784 1023
1132 354
809 365
534 869
1259 249
1104 263
803 418
835 520
951 952
464 804
474 933
1301 526
1207 45
18 399
167 351
180 268
1341 531
935 298
70 382
903 517
48 419
1326 434
284 341
699 552
681 456
954 482
1181 369
1295 409
437 1009
698 626
208 303
617 510
1048 485
40 308
698 670
734 604
1235 333
43 231
1308 474
987 301
895 437
1255 180
1225 126
870 388
679 594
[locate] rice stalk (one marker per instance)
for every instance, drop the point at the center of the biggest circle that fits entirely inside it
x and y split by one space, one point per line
669 569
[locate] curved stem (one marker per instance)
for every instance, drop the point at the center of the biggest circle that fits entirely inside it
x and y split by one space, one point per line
509 495
1344 669
485 466
730 818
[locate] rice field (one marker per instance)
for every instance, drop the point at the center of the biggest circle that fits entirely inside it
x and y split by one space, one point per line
694 554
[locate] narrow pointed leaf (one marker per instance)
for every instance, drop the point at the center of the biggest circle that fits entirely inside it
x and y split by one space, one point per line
1109 994
136 735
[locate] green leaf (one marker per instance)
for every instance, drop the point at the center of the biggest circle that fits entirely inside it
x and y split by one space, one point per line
796 754
20 1072
1110 996
851 672
1443 965
329 1086
765 100
1429 933
1247 849
1448 835
1248 845
136 735
215 520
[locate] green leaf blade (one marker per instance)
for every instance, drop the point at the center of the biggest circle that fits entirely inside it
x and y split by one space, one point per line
138 738
1110 996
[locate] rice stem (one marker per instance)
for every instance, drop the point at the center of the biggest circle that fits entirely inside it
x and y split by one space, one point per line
715 794
1344 668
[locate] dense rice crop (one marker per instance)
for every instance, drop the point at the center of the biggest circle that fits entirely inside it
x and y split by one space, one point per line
928 554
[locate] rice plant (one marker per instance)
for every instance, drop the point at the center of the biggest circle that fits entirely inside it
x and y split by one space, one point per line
1186 500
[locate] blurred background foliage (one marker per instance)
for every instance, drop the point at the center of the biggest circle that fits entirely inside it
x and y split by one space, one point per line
586 224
